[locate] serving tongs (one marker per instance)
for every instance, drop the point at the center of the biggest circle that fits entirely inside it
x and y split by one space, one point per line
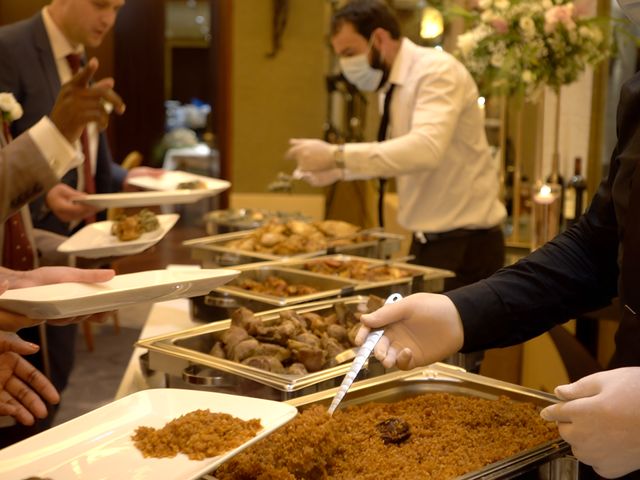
361 357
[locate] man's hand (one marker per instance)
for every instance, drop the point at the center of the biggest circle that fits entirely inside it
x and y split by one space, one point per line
21 385
60 201
418 330
321 178
79 103
600 419
311 155
141 172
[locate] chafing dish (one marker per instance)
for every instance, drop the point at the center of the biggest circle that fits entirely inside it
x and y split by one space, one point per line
549 461
419 278
219 304
211 250
237 219
183 356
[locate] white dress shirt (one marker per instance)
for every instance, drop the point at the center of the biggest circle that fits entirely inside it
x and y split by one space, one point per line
61 47
437 148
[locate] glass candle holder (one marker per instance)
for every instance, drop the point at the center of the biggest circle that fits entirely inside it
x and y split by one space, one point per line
546 213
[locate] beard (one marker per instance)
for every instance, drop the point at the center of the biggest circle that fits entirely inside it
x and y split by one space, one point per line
378 63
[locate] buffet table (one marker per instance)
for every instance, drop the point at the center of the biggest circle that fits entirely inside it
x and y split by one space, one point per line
164 317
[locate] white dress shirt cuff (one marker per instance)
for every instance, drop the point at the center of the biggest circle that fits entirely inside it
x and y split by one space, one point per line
57 151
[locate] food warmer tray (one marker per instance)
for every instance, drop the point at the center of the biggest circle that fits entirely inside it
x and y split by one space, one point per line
237 219
211 250
551 460
184 359
421 278
220 303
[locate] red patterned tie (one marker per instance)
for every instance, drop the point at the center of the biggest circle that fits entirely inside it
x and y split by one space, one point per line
17 253
75 62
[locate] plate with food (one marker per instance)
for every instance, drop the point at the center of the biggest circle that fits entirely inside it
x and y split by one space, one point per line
71 299
172 188
108 443
172 180
127 235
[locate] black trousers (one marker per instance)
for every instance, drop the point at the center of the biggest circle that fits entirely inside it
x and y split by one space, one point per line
471 254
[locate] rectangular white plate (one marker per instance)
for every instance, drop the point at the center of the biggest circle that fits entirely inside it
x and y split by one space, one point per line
98 445
96 241
170 180
64 300
155 197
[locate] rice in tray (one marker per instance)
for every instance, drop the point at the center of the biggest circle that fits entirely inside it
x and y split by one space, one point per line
449 435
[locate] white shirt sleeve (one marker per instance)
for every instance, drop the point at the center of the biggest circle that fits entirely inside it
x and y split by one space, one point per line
58 152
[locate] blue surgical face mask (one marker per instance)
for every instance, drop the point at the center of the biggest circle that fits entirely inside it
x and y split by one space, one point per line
631 9
359 72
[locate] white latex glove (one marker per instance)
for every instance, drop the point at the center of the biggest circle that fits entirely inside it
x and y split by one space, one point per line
600 419
418 330
311 154
321 178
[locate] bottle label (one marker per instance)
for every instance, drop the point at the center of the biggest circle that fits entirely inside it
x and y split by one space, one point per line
570 204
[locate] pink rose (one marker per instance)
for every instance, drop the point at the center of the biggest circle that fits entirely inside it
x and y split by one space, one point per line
500 25
583 8
559 14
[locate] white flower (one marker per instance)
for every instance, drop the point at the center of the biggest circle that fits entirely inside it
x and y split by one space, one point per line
466 43
10 108
484 4
547 4
527 76
528 27
497 58
502 4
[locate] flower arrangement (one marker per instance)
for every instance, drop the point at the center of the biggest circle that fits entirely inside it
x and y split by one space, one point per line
9 107
10 110
516 46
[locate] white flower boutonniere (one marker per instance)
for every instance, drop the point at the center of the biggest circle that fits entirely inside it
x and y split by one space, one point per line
10 108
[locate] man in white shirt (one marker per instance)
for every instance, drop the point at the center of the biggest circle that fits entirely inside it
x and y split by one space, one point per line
435 144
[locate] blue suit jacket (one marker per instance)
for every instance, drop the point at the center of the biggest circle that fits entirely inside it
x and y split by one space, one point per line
28 70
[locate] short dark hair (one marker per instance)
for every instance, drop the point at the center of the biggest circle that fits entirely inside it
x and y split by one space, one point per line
366 16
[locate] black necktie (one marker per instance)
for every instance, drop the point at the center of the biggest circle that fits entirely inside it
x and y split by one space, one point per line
382 136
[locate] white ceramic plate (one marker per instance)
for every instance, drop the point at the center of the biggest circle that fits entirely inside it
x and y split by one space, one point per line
98 445
170 180
96 241
156 196
63 300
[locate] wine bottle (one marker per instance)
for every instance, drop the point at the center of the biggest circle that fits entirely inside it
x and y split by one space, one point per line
575 195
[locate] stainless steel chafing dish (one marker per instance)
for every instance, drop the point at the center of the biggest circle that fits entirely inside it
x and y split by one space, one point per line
219 304
419 279
236 219
549 461
211 250
183 356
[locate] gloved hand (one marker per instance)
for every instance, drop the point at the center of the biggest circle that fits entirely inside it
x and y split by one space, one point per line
311 154
600 419
321 178
418 330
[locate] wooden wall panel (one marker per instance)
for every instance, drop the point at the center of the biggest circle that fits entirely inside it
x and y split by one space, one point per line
138 72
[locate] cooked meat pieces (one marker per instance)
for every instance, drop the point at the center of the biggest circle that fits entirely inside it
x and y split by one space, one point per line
275 286
356 269
263 362
394 430
244 349
309 339
294 237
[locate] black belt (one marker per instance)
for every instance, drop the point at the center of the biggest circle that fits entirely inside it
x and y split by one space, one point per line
423 237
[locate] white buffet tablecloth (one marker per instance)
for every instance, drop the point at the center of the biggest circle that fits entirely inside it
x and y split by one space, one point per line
164 317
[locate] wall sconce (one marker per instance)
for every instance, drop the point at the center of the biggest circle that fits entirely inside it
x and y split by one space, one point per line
431 24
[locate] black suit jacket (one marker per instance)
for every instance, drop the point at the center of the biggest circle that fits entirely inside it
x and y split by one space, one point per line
578 271
28 70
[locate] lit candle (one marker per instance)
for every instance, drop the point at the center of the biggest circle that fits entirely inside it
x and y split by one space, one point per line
545 195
